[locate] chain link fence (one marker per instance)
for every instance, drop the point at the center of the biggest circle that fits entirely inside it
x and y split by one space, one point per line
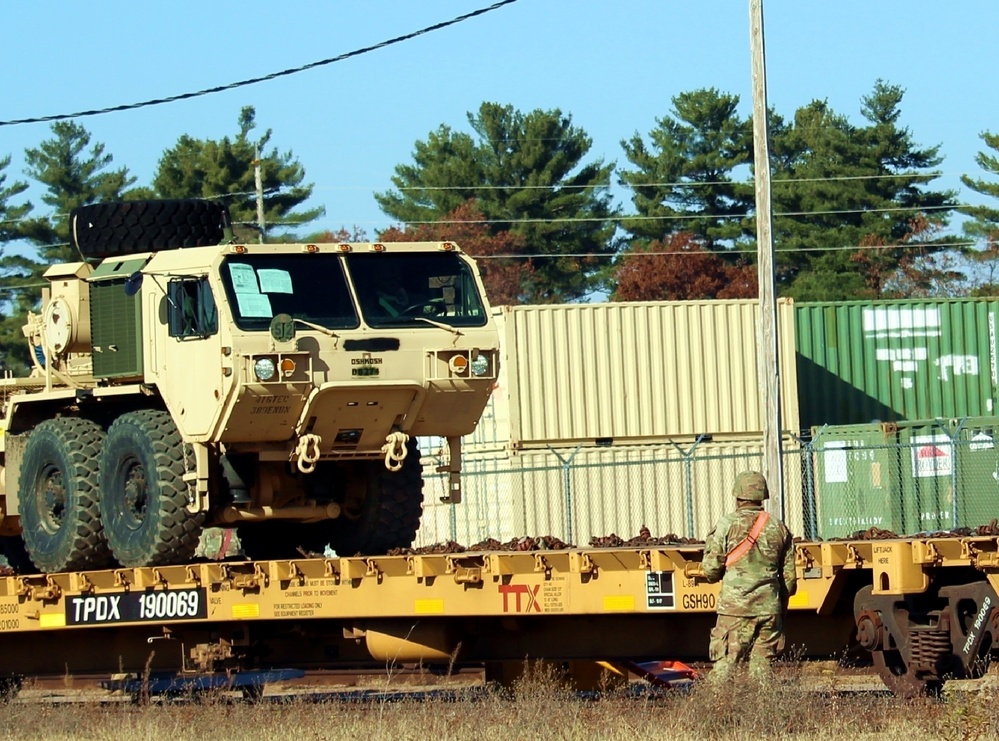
931 477
577 494
917 478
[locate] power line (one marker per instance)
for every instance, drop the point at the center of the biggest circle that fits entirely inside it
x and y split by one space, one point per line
684 217
662 184
664 253
265 78
720 253
596 219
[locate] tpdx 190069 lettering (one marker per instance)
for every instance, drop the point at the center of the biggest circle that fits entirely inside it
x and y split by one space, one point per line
130 607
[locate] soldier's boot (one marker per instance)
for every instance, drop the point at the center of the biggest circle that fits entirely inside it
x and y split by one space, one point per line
722 671
760 669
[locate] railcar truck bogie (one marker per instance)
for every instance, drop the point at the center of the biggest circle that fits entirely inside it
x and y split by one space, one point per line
183 380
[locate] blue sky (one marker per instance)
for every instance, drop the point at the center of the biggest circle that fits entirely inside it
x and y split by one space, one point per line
614 66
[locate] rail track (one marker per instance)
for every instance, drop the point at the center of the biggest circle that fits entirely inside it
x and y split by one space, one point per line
415 684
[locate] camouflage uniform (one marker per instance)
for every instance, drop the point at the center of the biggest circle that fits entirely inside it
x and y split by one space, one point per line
754 589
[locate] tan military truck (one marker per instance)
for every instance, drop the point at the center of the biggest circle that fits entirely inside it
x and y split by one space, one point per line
184 380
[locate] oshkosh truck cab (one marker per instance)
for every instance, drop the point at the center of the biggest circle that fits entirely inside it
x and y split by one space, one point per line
271 387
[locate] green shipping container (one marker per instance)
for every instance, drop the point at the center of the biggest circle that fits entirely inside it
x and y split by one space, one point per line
951 477
857 481
912 477
929 477
892 361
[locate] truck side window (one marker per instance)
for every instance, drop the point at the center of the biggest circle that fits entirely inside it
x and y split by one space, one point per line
191 310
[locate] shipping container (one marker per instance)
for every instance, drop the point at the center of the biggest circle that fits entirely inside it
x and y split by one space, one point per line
579 493
907 477
893 361
857 481
977 463
636 372
951 472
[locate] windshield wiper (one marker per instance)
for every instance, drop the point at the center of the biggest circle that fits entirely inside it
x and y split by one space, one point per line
318 327
441 325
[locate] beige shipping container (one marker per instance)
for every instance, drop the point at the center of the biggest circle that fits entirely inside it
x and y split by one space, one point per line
636 372
576 494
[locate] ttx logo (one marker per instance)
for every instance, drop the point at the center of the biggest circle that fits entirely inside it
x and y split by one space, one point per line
530 603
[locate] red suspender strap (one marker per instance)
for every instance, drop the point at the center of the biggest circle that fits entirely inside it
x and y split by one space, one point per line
750 540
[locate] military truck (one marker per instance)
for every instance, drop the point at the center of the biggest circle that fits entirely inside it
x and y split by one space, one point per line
185 380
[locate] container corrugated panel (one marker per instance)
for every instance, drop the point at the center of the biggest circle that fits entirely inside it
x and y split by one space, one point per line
949 473
858 480
896 360
636 372
911 477
576 494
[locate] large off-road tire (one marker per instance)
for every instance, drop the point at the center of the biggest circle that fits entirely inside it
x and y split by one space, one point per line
121 228
143 493
382 508
58 495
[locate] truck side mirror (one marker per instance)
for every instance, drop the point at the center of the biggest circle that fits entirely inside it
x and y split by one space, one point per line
133 283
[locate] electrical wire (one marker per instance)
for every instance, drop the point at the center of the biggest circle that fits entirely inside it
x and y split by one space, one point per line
619 218
629 255
720 253
264 78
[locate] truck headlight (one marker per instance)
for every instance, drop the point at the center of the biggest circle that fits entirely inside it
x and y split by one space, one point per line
480 365
264 369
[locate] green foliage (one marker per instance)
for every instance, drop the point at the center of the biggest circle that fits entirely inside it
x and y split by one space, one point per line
527 176
852 199
73 173
984 222
13 272
685 177
983 226
855 215
73 176
11 215
204 168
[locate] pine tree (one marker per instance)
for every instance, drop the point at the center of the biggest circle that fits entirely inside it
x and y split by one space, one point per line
693 176
205 168
528 176
73 173
854 212
73 176
16 274
983 226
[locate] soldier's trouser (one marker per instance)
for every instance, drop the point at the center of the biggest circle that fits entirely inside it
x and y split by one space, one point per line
756 640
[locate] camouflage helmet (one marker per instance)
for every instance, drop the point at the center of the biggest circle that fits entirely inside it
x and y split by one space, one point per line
751 486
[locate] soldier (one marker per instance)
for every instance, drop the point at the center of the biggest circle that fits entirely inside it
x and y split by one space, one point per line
752 553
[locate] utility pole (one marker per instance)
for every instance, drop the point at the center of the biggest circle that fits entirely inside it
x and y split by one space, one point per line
258 180
767 358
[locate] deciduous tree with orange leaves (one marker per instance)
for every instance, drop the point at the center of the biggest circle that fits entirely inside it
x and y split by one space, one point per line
504 267
680 269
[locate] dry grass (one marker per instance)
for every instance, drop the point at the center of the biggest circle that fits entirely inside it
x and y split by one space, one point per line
536 708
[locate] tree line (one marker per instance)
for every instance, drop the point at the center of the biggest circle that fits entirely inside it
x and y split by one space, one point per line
856 211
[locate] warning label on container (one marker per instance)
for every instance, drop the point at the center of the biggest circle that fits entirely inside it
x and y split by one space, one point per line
834 458
982 441
932 455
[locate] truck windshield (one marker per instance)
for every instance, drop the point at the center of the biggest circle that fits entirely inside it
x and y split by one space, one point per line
396 289
306 286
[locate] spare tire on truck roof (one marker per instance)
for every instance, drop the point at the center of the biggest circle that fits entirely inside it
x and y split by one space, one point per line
111 229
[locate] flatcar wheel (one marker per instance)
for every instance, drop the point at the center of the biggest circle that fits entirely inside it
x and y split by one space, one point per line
899 679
